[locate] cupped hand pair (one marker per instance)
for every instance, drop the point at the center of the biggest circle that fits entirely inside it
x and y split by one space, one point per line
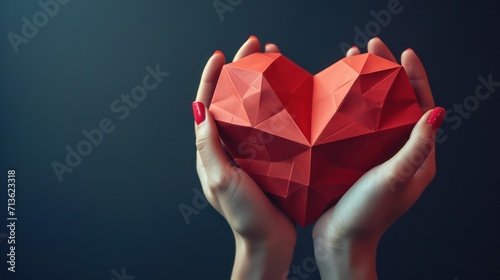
346 236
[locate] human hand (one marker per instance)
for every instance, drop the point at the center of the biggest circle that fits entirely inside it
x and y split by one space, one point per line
264 236
346 236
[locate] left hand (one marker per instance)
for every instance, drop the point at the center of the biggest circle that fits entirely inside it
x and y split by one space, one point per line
346 236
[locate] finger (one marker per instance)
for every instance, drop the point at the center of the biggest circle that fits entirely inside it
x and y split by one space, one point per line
354 50
422 178
211 154
427 171
252 45
209 78
418 79
202 174
377 47
271 48
403 165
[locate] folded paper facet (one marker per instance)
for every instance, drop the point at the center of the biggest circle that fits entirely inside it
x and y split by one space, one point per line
306 139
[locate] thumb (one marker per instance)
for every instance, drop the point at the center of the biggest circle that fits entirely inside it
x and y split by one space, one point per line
417 149
209 147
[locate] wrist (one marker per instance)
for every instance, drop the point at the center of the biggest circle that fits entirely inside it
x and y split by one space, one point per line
352 258
263 258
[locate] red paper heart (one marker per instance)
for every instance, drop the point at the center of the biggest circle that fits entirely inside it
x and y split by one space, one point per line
306 139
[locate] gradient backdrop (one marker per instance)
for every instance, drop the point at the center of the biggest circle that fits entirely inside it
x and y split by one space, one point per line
116 215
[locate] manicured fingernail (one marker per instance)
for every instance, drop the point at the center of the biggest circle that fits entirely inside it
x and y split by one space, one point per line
217 52
436 117
252 37
198 112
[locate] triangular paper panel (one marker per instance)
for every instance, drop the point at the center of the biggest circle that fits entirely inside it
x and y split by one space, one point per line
305 139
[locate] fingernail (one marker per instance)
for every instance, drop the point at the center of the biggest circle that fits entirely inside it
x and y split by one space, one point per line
268 44
217 52
252 37
436 117
198 112
354 47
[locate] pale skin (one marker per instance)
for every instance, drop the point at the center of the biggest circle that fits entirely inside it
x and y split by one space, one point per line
346 236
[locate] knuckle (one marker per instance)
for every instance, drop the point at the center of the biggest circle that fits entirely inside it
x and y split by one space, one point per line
392 175
219 182
389 173
407 166
424 146
395 176
202 144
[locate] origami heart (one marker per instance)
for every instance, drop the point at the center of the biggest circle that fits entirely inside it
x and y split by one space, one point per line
305 139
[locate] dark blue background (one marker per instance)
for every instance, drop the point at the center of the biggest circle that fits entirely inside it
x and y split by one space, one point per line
119 207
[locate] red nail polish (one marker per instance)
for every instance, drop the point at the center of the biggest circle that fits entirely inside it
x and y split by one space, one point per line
436 117
217 52
198 112
252 37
